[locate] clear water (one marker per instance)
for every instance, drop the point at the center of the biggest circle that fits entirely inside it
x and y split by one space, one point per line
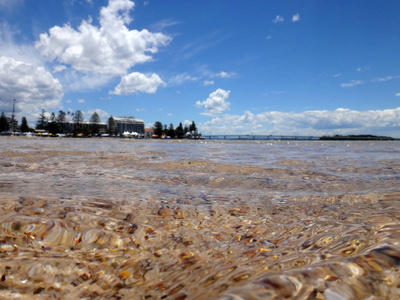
132 219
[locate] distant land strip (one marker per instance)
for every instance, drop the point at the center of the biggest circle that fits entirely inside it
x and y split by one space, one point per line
366 137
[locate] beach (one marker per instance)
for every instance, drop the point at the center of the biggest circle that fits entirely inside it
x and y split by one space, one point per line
179 219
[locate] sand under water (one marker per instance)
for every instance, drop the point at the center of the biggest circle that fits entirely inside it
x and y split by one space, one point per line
131 219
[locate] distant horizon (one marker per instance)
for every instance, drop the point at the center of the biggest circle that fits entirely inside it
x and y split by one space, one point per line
269 68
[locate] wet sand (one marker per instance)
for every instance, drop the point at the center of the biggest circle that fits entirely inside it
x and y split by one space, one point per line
93 219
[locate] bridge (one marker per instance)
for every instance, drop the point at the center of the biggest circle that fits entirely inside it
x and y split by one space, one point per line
260 137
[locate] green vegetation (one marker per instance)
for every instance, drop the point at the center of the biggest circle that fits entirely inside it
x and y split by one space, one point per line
160 130
24 125
111 126
4 126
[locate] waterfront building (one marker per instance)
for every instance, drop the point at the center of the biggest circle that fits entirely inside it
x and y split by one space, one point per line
123 124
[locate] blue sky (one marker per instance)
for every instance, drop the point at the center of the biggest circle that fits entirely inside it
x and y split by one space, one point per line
310 67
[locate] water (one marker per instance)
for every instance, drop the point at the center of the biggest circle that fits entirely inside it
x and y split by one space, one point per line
132 219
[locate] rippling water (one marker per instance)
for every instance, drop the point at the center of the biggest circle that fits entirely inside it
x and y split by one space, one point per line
132 219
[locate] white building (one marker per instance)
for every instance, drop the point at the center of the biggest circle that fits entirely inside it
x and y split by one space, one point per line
126 124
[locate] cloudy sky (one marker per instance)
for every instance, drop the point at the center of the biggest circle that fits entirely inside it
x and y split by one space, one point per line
306 67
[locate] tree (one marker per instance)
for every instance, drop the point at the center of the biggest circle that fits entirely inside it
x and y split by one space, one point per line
179 131
171 130
94 123
4 126
158 128
186 129
24 125
78 120
111 126
52 125
42 120
62 120
192 127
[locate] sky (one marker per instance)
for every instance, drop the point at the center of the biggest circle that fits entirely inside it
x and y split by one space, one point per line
280 67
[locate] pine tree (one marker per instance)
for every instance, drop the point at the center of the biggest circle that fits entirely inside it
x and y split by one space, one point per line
78 120
42 121
192 127
171 131
179 131
111 126
4 126
94 123
158 128
24 125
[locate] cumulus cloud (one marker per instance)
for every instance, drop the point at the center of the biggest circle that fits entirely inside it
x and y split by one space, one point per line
216 103
296 17
278 19
398 94
208 82
317 123
33 87
137 82
111 49
108 50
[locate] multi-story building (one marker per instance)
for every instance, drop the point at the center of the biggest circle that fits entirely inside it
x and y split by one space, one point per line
123 124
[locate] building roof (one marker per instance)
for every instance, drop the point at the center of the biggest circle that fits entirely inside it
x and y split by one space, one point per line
127 119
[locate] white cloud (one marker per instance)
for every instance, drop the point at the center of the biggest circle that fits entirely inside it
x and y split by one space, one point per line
81 100
181 78
352 83
137 82
317 123
10 48
362 69
102 114
296 17
7 4
111 49
161 25
33 88
387 78
398 94
72 80
337 75
59 68
278 19
223 74
208 82
216 103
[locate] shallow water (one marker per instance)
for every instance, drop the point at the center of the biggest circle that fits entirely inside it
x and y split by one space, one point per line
132 219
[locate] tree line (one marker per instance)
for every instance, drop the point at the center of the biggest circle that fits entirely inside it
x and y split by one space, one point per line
64 122
161 130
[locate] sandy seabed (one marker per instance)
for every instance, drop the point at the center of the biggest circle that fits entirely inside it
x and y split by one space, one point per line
112 219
